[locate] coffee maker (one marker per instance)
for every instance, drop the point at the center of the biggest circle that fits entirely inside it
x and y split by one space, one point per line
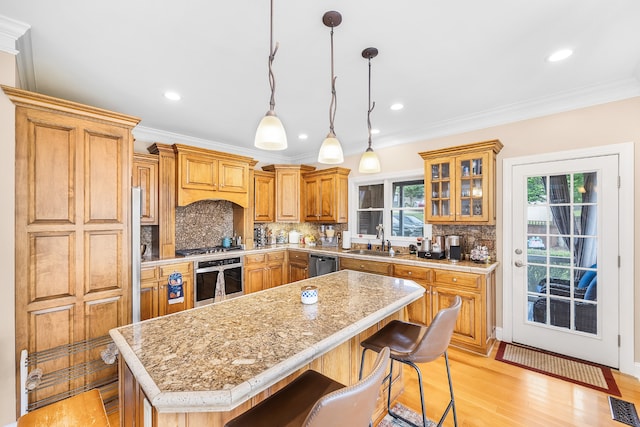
454 248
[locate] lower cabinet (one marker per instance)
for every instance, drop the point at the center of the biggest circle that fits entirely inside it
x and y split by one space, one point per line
264 271
154 292
420 310
298 265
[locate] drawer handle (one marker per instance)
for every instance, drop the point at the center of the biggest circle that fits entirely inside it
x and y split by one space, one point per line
410 273
361 266
455 279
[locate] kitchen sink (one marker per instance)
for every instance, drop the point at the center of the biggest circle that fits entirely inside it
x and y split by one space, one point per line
367 252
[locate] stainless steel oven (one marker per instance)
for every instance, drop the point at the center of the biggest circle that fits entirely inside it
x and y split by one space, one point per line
207 273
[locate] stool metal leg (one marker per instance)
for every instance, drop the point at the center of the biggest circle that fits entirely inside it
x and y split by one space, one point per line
452 402
424 413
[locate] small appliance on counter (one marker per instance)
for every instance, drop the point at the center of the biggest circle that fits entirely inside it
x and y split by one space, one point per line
454 248
429 250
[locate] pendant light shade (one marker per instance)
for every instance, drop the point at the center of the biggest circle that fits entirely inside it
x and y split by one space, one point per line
270 134
369 162
331 150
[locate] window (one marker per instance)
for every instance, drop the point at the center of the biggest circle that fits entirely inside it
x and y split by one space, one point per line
396 204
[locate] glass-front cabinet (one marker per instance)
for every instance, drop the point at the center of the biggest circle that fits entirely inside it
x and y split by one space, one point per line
462 183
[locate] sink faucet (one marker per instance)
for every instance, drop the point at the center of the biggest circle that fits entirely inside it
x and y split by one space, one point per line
380 235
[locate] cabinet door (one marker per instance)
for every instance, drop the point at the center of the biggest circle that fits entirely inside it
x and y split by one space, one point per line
440 187
254 278
163 292
148 301
276 275
145 176
288 195
327 199
198 172
468 330
298 266
265 197
311 199
233 176
473 187
419 310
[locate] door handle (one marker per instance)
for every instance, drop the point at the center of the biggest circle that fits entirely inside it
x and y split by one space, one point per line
518 264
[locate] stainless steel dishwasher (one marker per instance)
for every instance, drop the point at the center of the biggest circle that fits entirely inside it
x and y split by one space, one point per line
322 264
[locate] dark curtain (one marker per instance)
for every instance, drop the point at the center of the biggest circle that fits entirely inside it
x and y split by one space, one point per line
560 200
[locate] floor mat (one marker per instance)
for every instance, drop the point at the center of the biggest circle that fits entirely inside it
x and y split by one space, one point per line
566 368
403 411
624 412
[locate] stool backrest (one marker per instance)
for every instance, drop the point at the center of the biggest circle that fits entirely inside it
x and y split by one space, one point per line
352 405
436 340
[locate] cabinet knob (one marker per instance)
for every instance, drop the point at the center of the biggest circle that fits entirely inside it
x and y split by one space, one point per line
410 273
455 279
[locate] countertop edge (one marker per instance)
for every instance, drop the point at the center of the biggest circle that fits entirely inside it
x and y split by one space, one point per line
406 259
226 400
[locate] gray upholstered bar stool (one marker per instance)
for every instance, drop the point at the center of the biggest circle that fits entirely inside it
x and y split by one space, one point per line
315 400
412 343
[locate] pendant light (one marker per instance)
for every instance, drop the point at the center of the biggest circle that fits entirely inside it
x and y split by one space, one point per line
331 150
270 134
369 162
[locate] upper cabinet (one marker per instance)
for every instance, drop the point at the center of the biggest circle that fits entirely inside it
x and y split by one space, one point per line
460 183
326 195
206 174
288 190
264 196
145 176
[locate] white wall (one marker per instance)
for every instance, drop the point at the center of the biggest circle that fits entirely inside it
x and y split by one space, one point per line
611 123
7 254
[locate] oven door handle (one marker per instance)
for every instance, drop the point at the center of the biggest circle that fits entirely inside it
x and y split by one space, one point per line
217 268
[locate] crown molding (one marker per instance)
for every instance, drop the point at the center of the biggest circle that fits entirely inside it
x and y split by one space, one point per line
10 31
561 102
146 134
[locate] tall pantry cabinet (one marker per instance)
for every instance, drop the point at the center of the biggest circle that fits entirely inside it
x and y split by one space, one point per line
73 181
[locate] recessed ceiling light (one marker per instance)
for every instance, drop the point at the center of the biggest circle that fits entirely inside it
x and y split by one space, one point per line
303 136
375 131
396 107
559 55
174 96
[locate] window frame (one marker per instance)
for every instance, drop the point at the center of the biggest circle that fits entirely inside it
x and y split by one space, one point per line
387 180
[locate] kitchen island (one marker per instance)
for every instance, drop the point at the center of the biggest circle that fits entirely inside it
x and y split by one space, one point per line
208 364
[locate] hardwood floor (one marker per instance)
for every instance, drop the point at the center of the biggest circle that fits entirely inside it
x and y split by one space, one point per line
492 393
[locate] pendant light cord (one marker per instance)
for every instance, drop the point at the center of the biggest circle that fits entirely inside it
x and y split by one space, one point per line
334 101
272 54
371 106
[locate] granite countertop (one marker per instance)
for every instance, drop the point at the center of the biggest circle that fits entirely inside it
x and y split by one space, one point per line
399 258
215 357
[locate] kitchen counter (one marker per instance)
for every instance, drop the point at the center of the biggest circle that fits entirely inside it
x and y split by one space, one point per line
219 356
399 258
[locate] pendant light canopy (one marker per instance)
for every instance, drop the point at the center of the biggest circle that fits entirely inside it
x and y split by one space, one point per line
369 162
331 150
270 134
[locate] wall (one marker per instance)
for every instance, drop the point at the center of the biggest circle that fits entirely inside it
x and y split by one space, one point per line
7 231
606 124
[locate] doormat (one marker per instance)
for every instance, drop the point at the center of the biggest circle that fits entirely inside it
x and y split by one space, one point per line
576 371
403 411
624 412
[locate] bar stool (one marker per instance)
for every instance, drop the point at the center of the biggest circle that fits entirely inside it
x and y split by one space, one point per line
412 343
315 400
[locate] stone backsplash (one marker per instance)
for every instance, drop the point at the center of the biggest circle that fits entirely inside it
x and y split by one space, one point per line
472 236
204 223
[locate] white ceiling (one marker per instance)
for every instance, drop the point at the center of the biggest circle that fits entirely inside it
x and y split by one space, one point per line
456 65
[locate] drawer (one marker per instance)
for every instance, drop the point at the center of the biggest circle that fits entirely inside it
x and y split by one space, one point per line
366 266
455 278
275 256
255 259
298 257
412 272
183 267
149 273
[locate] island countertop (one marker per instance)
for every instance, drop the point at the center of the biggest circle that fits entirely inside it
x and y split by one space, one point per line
215 357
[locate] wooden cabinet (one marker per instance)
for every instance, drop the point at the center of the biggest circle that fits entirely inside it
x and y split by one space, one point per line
264 271
420 310
326 195
288 190
154 293
145 176
475 327
298 265
366 266
264 206
206 174
72 204
460 183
